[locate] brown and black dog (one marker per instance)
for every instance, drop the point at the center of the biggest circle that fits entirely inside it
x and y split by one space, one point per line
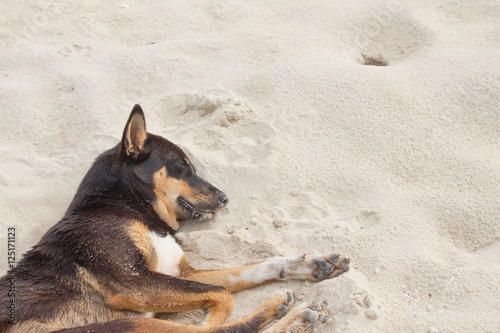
113 261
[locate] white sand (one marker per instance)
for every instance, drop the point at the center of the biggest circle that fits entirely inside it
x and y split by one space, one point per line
396 166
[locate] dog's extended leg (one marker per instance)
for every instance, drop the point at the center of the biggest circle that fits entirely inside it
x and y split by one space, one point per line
156 292
274 307
305 267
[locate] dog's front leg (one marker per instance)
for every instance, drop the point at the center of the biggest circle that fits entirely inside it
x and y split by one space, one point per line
305 267
156 292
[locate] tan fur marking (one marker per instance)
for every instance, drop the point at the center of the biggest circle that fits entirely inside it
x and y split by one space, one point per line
88 307
167 190
138 233
185 269
162 211
220 303
89 279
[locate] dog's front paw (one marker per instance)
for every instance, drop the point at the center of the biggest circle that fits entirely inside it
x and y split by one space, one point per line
330 266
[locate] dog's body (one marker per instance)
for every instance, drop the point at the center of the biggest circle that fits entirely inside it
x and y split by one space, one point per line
112 261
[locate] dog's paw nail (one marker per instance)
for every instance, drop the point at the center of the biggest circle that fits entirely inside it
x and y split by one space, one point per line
282 310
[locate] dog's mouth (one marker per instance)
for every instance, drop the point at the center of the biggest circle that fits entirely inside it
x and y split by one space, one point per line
191 212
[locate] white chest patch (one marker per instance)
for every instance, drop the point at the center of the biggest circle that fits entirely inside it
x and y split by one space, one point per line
168 252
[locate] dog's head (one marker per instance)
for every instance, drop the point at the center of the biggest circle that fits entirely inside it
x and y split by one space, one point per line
180 194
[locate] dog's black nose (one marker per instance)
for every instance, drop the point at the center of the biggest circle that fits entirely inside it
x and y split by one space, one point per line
223 199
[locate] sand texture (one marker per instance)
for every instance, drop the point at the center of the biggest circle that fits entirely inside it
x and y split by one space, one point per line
368 128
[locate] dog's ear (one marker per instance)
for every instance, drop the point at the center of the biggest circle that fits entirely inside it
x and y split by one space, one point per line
135 135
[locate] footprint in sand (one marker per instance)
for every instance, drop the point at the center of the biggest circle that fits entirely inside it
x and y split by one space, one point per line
67 51
346 298
359 302
221 123
469 229
385 37
185 109
307 205
367 219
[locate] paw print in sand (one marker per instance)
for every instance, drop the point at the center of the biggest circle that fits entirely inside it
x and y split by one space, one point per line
360 301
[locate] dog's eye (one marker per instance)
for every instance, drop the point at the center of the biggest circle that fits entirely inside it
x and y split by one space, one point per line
180 167
179 163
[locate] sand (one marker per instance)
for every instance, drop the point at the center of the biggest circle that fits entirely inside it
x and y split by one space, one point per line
281 105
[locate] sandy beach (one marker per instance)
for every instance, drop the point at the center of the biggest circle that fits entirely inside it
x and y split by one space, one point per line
368 128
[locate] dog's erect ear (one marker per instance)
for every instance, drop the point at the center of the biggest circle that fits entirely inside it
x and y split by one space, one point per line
134 135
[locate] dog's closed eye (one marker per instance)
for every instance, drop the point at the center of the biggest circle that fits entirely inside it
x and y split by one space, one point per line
181 163
181 167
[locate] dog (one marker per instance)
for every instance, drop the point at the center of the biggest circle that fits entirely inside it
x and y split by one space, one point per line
113 261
